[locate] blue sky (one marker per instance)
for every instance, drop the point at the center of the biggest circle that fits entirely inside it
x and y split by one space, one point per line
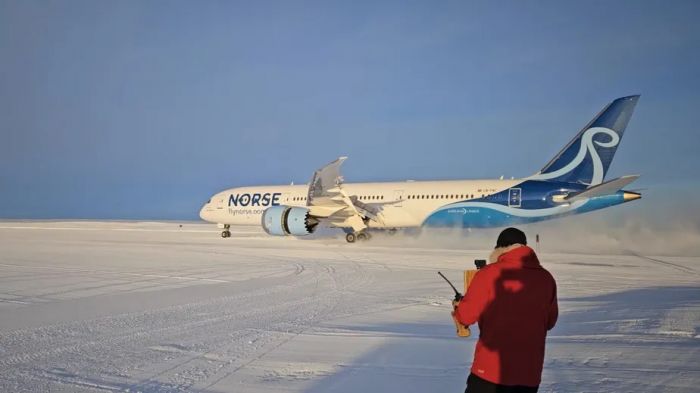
143 109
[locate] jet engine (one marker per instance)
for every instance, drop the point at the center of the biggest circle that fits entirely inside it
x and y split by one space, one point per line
287 220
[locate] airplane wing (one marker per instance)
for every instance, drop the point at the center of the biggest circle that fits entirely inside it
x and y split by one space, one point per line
607 188
327 199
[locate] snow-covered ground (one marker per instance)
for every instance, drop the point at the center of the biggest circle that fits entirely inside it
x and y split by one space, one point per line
159 307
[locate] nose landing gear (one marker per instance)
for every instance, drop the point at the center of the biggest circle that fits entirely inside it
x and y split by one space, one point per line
226 233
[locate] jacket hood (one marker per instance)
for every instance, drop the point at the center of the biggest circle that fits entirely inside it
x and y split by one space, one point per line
522 256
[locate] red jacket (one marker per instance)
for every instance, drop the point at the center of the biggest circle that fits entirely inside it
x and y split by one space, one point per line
515 302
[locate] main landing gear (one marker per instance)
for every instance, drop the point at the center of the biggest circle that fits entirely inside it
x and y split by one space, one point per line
226 233
353 236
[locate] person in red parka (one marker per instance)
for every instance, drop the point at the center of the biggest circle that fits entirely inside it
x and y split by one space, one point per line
514 301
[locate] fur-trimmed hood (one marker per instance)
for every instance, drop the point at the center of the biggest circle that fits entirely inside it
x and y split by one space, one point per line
497 252
516 253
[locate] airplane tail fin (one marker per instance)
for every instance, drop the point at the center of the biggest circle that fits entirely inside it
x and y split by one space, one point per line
587 157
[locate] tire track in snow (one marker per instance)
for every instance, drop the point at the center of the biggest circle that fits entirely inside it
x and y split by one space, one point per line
681 268
135 317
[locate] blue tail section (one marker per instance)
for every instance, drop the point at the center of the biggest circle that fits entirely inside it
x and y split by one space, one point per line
586 159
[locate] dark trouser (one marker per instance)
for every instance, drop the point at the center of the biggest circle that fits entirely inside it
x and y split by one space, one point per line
479 385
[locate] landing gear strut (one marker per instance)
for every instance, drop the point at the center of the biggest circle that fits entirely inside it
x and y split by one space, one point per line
226 233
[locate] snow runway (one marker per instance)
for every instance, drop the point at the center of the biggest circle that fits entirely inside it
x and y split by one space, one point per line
155 307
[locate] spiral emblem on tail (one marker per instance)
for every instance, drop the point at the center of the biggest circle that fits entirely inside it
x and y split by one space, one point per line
587 147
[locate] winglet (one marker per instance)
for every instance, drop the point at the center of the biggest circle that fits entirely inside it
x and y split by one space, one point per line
326 177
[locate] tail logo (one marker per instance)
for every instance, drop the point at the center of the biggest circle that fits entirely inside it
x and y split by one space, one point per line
588 146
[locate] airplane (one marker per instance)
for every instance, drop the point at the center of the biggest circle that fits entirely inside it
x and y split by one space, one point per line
572 182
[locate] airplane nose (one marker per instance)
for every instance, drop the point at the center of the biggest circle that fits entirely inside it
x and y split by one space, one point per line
204 212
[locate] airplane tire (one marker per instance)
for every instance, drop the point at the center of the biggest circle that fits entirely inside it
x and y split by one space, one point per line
225 234
362 236
350 237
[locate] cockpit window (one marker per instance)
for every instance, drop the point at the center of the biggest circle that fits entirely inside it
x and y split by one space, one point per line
209 201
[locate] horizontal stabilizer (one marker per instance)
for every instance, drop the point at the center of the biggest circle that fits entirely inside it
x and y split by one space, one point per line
607 188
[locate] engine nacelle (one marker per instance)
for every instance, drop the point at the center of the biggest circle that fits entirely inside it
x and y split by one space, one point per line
287 220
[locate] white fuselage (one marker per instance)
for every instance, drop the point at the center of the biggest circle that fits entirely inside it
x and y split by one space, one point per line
573 182
402 204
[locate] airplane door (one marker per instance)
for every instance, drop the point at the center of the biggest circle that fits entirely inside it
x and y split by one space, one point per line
514 197
398 196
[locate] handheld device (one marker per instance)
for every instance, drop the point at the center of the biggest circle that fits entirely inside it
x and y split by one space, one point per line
462 331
